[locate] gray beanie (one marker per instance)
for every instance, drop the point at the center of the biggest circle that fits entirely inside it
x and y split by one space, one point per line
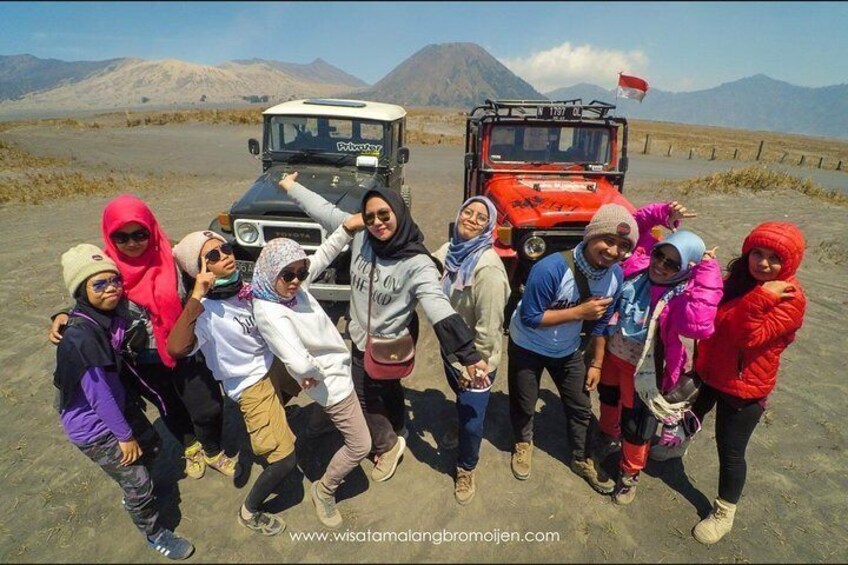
83 261
612 219
187 251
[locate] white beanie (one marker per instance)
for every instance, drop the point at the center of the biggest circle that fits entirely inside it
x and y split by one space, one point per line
187 251
83 261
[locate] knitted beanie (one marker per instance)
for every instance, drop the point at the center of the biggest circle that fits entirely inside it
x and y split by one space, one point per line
612 219
83 261
187 251
784 238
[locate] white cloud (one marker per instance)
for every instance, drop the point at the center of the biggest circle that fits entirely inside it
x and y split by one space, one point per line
566 65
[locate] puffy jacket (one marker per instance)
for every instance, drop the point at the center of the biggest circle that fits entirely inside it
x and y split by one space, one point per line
742 358
691 313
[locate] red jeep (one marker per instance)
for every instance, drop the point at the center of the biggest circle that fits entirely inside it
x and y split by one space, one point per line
547 166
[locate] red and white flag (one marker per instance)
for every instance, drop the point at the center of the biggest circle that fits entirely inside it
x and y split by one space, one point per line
631 87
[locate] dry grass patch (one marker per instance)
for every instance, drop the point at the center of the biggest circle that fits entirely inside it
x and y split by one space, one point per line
756 178
235 116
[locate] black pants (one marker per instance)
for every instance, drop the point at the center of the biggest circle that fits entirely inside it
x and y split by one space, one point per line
382 404
735 422
569 376
188 398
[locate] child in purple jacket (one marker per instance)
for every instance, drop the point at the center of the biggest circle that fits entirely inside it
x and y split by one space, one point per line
91 399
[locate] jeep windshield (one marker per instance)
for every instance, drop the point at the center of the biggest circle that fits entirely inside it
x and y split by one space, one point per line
548 144
325 140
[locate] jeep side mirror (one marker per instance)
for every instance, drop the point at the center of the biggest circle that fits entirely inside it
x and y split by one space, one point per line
253 146
403 155
470 160
623 164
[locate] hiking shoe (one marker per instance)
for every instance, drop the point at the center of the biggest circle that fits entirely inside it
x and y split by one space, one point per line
450 440
465 486
223 464
387 462
605 445
325 508
195 467
717 524
625 489
171 545
522 457
593 474
263 523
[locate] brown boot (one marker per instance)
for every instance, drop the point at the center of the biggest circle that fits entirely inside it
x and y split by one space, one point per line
592 474
625 489
465 486
522 457
717 524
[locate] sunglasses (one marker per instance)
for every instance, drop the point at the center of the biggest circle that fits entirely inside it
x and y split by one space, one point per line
383 215
214 255
100 286
667 263
479 219
138 236
289 276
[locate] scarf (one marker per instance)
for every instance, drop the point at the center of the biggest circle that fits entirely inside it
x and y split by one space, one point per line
151 279
583 264
229 287
278 254
463 255
407 241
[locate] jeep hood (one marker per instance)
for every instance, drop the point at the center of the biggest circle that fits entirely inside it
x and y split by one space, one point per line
344 187
545 201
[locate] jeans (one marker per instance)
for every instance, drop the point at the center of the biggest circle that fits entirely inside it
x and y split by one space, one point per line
471 413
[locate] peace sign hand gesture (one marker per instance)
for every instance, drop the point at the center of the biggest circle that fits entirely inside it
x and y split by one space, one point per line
203 282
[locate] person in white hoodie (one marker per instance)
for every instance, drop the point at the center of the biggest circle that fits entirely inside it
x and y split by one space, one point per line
301 334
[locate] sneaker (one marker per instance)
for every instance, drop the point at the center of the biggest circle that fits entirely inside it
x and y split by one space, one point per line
325 508
718 524
625 489
223 464
265 524
171 545
522 457
593 474
195 466
465 486
451 439
387 462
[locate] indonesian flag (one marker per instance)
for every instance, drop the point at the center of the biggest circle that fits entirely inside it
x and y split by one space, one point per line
631 87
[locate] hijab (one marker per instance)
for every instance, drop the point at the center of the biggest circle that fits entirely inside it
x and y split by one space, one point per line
407 241
277 254
463 255
691 249
151 279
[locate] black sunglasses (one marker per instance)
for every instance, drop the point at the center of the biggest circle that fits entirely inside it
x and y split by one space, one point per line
383 215
214 255
299 274
138 236
669 264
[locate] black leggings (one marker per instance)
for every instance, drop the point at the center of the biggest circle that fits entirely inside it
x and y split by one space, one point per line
382 403
268 480
736 419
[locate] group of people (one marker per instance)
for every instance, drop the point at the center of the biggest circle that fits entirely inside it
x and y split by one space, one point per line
179 328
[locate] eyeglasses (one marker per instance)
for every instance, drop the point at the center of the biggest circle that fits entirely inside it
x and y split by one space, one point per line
289 276
100 286
214 255
138 236
667 263
479 219
383 215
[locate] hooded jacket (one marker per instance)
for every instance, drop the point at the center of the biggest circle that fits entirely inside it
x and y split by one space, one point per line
742 358
690 313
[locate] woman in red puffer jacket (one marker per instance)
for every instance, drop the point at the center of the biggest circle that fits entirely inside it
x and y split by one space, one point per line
761 310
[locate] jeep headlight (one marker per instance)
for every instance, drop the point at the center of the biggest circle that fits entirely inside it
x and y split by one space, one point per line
247 232
534 247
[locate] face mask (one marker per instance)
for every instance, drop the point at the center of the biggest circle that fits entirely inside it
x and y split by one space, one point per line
227 280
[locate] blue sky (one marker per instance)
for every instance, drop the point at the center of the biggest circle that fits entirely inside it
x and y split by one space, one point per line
675 46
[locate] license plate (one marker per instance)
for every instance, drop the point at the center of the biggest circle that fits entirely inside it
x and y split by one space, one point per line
245 268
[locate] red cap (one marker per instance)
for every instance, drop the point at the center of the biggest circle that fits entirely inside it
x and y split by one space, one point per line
784 238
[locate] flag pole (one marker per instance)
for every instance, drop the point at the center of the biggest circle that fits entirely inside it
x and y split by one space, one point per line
616 92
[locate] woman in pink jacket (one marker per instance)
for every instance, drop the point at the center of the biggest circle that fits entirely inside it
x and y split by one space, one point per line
678 282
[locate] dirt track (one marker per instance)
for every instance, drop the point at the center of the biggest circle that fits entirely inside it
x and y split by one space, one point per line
60 507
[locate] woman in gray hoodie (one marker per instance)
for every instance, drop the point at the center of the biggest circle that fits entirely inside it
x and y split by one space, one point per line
404 274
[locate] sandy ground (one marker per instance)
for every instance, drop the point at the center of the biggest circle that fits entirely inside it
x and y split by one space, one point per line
60 507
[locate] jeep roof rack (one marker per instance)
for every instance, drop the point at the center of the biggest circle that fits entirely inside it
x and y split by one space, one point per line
541 109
